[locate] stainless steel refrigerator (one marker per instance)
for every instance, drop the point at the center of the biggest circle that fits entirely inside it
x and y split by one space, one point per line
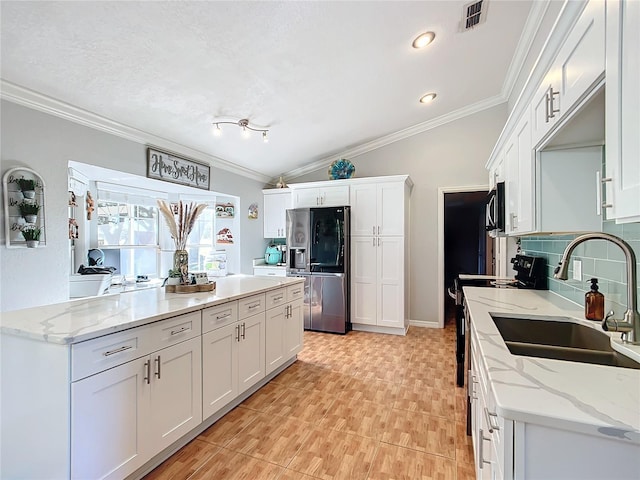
318 250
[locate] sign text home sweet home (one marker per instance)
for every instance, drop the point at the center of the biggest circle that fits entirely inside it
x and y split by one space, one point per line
171 168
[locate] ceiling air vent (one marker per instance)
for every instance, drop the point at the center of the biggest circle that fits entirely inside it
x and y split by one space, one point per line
474 14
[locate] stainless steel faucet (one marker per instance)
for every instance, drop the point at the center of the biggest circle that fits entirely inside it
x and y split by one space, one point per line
630 323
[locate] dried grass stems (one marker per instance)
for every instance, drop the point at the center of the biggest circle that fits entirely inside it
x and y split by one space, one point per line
181 223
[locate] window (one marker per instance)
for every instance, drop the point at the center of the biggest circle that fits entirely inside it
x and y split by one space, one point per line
201 242
128 223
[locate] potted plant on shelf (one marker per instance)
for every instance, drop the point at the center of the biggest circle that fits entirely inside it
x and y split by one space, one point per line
32 235
29 211
27 187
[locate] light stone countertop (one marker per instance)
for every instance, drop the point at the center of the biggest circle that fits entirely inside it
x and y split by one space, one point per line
86 318
591 399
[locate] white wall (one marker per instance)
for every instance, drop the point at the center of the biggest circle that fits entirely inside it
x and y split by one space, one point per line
448 156
45 143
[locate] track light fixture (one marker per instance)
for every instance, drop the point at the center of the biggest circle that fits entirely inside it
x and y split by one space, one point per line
244 125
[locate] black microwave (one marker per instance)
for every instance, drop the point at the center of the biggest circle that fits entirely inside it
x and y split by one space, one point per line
495 210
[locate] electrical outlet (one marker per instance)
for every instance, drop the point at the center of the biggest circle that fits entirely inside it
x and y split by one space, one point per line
577 269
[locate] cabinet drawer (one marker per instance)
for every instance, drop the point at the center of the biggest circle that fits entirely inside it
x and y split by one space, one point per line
93 356
219 316
251 305
295 292
176 329
276 297
270 272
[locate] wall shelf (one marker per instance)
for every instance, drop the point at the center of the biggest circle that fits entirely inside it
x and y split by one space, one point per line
15 222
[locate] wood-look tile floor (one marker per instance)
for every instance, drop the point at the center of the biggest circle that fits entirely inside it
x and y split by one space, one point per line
359 406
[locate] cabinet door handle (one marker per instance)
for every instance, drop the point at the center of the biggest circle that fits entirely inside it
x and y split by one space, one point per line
147 372
481 439
378 241
373 232
489 415
378 229
553 110
226 315
374 242
255 305
279 297
180 330
108 353
243 330
237 333
158 367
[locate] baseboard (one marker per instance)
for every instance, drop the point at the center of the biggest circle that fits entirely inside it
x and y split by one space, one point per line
376 329
423 324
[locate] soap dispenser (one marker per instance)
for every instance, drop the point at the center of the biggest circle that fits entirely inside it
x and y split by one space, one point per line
594 302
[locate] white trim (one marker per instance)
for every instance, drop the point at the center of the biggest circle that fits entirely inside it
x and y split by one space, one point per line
400 135
37 101
441 286
361 327
531 28
423 324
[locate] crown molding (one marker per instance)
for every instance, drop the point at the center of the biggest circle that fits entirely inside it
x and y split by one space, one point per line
37 101
530 30
399 135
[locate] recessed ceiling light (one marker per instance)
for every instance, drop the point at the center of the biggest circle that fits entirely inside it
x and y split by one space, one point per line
429 97
423 39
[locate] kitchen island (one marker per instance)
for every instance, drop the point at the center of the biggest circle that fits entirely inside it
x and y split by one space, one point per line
108 387
535 418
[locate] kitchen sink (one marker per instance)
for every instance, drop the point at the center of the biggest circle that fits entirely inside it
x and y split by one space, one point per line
559 338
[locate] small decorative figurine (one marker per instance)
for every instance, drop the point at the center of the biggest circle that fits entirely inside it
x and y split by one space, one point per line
90 207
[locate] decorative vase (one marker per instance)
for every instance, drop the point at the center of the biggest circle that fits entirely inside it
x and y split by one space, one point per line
31 218
29 194
181 264
173 281
32 243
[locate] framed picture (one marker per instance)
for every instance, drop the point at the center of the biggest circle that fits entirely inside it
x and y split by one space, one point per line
169 167
224 210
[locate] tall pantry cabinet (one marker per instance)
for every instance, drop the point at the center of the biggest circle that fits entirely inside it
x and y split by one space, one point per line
379 254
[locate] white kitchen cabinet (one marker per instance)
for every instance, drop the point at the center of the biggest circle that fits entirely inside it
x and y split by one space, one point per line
276 203
519 166
121 417
320 194
379 269
623 111
283 326
377 209
233 352
110 422
579 65
219 368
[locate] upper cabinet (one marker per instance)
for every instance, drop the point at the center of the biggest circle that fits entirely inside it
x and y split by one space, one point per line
559 100
24 208
579 65
276 203
622 198
519 207
377 208
334 193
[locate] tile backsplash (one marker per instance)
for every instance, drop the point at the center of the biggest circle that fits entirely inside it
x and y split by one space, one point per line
600 259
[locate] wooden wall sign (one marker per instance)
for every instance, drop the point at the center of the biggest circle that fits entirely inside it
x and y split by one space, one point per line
171 168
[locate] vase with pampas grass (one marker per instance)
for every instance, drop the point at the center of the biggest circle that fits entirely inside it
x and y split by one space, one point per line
180 222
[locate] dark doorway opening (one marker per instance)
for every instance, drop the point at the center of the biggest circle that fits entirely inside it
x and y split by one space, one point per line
467 247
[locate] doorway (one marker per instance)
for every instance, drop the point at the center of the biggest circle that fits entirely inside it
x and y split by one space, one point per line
465 246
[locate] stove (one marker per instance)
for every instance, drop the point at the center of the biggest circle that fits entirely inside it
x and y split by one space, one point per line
531 272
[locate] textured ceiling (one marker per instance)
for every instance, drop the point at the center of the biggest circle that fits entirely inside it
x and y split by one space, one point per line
324 77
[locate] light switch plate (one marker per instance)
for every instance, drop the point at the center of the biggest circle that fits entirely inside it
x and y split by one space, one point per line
577 269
